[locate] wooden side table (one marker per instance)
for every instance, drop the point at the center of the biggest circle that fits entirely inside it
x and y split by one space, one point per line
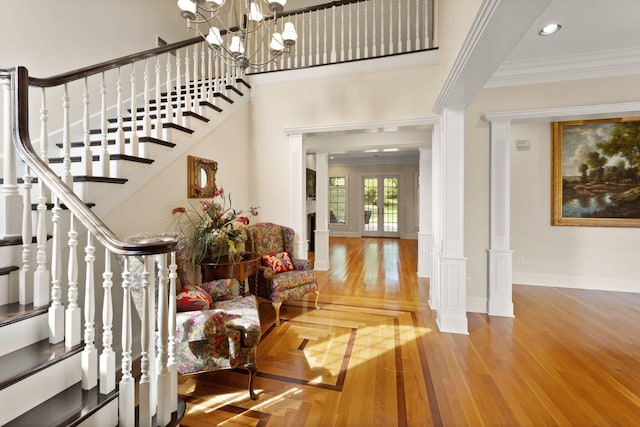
223 268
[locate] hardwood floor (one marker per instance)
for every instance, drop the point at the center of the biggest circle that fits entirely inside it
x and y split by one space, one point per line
372 356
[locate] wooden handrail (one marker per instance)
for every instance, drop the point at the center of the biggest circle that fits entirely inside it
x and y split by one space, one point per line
22 142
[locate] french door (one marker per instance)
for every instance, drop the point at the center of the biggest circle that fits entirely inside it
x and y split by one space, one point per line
380 207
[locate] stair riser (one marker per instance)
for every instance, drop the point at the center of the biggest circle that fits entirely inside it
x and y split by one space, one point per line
8 289
39 387
23 333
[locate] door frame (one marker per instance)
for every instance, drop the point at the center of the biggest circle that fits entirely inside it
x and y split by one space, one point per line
381 232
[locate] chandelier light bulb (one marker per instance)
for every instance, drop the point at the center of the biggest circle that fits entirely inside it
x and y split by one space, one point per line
289 34
214 38
254 13
236 47
187 9
277 43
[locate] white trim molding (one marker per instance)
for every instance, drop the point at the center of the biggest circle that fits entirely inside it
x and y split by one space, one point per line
577 282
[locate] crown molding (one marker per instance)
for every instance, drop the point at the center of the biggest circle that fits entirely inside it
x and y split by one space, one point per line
591 65
566 113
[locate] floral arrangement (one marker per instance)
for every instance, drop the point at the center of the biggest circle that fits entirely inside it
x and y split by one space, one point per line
216 229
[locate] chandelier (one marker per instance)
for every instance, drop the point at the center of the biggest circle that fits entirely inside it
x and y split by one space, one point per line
236 25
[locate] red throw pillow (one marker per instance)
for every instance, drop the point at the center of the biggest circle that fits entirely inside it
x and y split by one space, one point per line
279 262
192 298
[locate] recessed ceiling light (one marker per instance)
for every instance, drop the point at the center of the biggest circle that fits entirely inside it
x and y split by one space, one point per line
549 29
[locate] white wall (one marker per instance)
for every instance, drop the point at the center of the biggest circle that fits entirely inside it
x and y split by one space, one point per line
591 257
407 197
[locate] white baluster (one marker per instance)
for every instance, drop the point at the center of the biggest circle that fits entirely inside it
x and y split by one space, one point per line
66 140
169 117
187 97
408 42
358 50
304 38
390 32
296 56
144 411
126 398
164 377
41 275
374 40
399 27
171 339
157 123
104 141
428 20
416 45
194 81
325 41
87 155
89 353
120 140
56 309
334 58
179 117
203 74
11 202
108 356
72 315
317 37
342 31
310 41
146 117
133 146
209 96
350 31
25 289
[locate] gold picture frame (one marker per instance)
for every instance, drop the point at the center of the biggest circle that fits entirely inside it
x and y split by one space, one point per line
596 173
201 177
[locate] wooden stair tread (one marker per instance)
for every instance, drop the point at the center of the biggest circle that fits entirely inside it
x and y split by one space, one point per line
31 359
67 408
15 312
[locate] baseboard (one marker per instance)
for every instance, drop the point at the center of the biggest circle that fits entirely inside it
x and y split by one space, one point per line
577 282
476 305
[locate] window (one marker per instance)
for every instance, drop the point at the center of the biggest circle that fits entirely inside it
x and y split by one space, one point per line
338 200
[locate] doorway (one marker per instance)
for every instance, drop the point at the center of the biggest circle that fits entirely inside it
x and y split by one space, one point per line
380 206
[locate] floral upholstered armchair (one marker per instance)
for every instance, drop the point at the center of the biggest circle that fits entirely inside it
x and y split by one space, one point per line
216 328
285 278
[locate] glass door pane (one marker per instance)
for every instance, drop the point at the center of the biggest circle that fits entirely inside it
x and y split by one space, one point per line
390 208
380 206
370 204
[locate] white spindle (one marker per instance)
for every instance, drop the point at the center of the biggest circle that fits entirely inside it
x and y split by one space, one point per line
210 76
25 289
87 155
144 410
203 76
179 117
108 356
390 32
310 41
358 31
133 146
89 353
366 29
325 36
104 141
374 40
427 21
157 123
334 58
146 118
342 31
66 140
416 45
126 398
350 50
56 310
194 81
41 275
171 339
120 140
164 377
169 116
303 61
317 37
10 200
72 335
399 27
187 97
408 42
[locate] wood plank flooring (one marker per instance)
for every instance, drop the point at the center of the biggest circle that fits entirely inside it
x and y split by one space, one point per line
372 356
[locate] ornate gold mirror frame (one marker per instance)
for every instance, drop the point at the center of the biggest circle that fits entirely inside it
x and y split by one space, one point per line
201 177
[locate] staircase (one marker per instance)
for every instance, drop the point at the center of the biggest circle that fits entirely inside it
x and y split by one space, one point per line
51 372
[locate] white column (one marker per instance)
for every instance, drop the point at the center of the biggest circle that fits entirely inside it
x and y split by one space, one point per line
425 233
11 205
321 261
500 254
452 316
436 203
297 201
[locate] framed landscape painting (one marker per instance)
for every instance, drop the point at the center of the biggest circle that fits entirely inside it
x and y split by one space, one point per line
596 173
